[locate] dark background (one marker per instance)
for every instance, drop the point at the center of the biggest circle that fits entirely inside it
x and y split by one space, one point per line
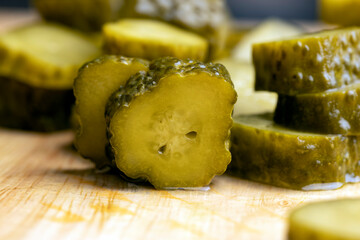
250 9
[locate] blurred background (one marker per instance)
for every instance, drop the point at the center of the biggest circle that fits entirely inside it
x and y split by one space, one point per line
247 9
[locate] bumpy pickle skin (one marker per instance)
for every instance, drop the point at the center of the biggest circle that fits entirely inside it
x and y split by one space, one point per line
327 220
331 112
95 83
268 153
152 39
45 55
171 125
309 64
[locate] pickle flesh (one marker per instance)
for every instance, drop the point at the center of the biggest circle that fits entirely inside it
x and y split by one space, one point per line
326 220
45 55
342 12
96 81
171 125
309 64
268 153
331 112
32 108
152 39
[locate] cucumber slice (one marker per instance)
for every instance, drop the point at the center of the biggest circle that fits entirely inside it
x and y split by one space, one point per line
270 30
45 55
243 77
95 83
31 108
342 12
82 14
171 126
265 152
152 39
331 112
309 64
327 220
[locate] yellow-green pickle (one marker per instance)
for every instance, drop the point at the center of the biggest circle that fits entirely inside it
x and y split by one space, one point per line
96 81
309 64
171 125
265 152
326 220
331 112
38 64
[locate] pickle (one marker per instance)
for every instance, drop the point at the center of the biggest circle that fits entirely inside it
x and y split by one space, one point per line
95 83
309 64
326 220
45 55
209 18
81 14
243 77
269 30
331 112
152 39
32 108
171 125
343 12
265 152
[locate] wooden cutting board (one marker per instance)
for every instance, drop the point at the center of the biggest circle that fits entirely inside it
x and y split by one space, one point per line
47 191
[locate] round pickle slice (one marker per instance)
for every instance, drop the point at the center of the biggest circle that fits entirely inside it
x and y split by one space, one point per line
152 39
331 112
265 152
96 81
171 125
328 220
308 64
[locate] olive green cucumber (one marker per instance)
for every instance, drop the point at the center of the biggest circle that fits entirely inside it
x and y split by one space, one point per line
331 112
151 39
45 55
265 152
341 12
32 108
171 125
96 81
326 220
81 14
308 64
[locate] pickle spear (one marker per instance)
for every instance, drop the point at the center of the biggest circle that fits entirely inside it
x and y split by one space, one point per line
152 39
330 112
171 125
96 81
327 220
265 152
308 64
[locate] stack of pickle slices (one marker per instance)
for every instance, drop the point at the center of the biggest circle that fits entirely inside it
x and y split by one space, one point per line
311 142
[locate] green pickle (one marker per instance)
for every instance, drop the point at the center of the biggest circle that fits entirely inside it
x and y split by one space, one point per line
96 81
152 39
326 220
38 64
342 12
309 64
171 125
331 112
268 153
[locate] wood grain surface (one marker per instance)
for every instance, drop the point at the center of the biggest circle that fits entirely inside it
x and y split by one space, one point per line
47 191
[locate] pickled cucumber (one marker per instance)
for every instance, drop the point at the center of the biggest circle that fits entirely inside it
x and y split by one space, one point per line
45 55
32 108
171 125
309 64
327 220
343 12
265 152
81 14
331 112
95 83
152 39
209 18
